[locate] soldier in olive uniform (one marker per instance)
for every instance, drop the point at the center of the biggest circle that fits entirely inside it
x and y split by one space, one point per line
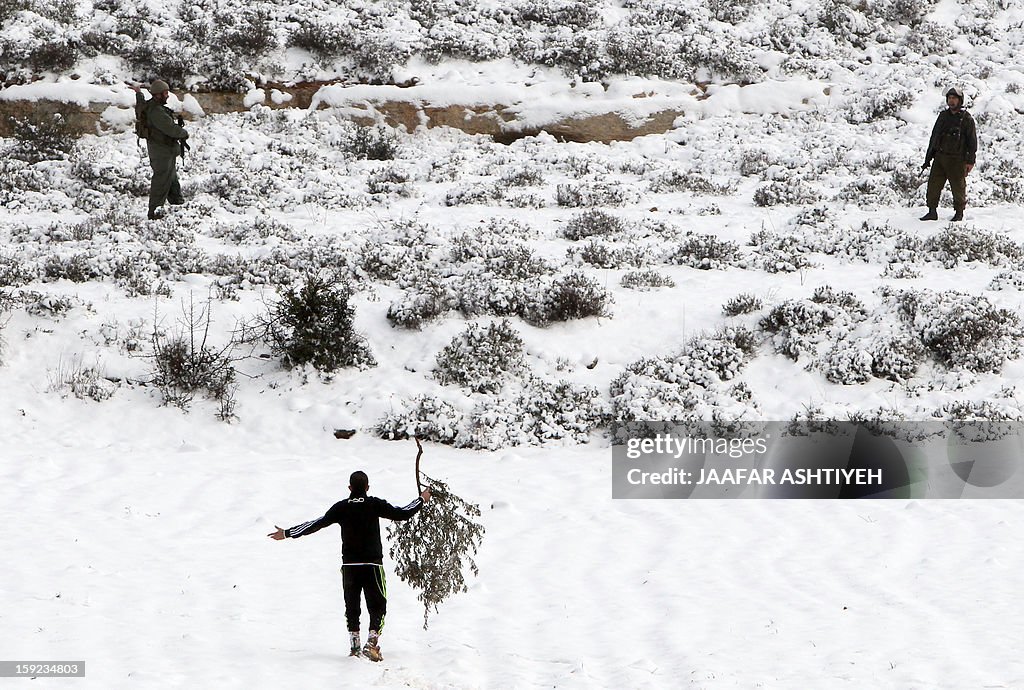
952 147
164 141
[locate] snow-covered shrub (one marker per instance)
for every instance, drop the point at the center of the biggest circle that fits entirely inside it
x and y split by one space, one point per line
846 364
576 195
870 190
744 303
241 189
689 386
9 8
842 299
314 324
371 143
14 272
740 336
176 261
897 357
1006 179
705 252
755 162
539 412
796 325
477 34
482 292
778 253
906 181
646 280
845 21
611 255
138 276
525 176
900 271
536 412
42 135
382 44
85 383
425 417
878 102
571 296
591 223
255 231
731 11
561 410
49 306
506 259
981 410
421 304
392 261
78 268
497 278
908 12
793 192
929 38
1004 280
962 330
475 193
955 244
390 180
482 358
18 177
323 39
185 364
678 181
558 14
247 32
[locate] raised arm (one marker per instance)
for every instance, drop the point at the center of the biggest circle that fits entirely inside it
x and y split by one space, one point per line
386 510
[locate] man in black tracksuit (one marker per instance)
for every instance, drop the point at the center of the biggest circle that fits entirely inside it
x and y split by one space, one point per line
953 146
362 555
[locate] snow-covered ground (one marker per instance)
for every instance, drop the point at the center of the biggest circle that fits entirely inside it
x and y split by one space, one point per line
135 541
136 531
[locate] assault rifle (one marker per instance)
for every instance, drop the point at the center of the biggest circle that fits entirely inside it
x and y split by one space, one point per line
183 142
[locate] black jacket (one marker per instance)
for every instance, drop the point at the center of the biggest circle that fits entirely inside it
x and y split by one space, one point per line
359 516
954 134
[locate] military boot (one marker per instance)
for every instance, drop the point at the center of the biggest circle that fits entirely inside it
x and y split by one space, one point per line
932 214
958 216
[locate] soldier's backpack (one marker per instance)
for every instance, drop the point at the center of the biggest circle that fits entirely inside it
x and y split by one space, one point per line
141 120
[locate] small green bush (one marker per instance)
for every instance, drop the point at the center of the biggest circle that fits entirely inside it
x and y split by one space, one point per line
314 324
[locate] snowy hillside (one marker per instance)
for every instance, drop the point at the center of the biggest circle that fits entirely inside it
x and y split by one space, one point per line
170 390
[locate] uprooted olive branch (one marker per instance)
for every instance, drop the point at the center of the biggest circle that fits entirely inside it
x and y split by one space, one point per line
432 550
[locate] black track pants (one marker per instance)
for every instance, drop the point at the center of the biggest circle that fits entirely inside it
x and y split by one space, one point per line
365 580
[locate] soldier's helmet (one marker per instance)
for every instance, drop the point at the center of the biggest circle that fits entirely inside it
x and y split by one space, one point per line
954 91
